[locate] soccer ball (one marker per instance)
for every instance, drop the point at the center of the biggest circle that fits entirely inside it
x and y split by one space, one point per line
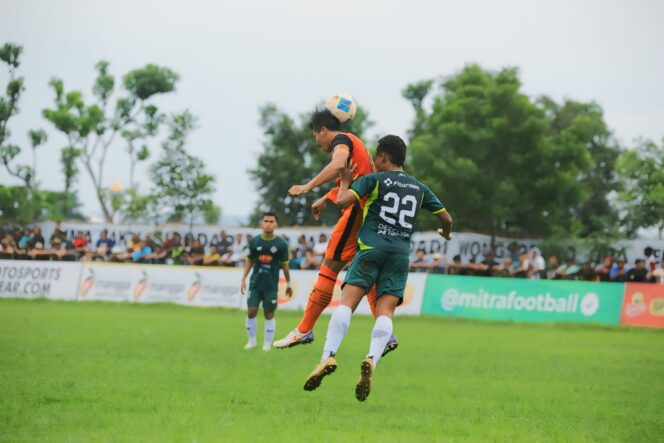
342 106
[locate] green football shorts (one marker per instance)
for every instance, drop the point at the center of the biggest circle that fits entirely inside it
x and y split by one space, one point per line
388 270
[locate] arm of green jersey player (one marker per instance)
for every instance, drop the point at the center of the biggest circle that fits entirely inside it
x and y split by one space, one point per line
433 204
247 266
289 290
347 196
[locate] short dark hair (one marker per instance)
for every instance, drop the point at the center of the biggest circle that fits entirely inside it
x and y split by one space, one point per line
648 251
394 147
322 118
269 214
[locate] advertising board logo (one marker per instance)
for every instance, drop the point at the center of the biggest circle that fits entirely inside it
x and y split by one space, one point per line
195 287
141 285
88 283
589 304
282 298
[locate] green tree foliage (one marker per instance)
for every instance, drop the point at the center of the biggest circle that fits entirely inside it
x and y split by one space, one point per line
10 54
492 155
23 206
92 127
290 157
182 188
641 171
581 125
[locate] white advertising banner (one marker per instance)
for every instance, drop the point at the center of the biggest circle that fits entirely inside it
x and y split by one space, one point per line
32 279
194 286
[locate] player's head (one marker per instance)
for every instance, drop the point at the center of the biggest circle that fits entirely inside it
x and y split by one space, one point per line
324 126
391 153
268 222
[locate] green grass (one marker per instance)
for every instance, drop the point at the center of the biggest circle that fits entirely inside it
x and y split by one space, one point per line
120 372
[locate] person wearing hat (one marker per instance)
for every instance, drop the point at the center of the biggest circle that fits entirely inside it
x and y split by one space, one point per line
57 251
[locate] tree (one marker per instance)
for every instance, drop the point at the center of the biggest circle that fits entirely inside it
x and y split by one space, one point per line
181 185
483 148
68 157
641 171
92 128
582 125
290 156
10 54
415 93
24 206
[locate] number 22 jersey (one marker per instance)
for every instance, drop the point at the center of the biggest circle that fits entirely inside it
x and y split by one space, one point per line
394 200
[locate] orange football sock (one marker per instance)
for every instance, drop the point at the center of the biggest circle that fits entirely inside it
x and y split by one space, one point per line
319 298
372 299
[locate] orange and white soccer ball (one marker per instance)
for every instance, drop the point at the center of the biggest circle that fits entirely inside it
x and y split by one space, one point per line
342 106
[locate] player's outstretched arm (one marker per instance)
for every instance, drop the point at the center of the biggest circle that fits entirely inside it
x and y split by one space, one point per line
446 224
346 197
336 165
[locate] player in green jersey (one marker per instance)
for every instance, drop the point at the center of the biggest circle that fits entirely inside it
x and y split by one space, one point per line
267 254
394 199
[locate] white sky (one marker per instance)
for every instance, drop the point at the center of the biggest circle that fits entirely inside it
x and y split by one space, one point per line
234 56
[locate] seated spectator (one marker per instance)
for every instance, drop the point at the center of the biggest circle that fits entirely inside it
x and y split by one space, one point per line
456 267
104 240
299 253
58 251
224 243
235 253
587 273
36 237
537 268
552 266
658 274
38 252
23 242
318 251
604 271
619 275
650 263
568 271
195 254
638 273
521 271
505 268
438 265
486 266
422 262
58 233
141 252
80 244
212 258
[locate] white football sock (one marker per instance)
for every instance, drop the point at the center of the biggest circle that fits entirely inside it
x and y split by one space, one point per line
252 325
270 327
336 330
380 335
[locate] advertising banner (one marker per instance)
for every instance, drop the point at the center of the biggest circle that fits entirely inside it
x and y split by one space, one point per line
643 305
523 300
32 279
194 286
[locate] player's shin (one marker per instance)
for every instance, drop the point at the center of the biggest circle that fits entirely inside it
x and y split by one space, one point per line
380 335
251 325
270 327
336 330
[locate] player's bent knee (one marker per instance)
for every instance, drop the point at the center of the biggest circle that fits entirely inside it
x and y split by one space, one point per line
269 315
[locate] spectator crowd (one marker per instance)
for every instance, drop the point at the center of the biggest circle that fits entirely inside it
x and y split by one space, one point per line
307 253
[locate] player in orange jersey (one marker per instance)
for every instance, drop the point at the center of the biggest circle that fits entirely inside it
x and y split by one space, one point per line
342 246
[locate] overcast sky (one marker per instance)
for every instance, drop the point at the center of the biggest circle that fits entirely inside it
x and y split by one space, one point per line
234 56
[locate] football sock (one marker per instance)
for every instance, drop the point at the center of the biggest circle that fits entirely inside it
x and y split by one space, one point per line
270 326
251 329
380 335
336 330
372 298
319 298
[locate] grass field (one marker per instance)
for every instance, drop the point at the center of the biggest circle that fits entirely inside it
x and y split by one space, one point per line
120 372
